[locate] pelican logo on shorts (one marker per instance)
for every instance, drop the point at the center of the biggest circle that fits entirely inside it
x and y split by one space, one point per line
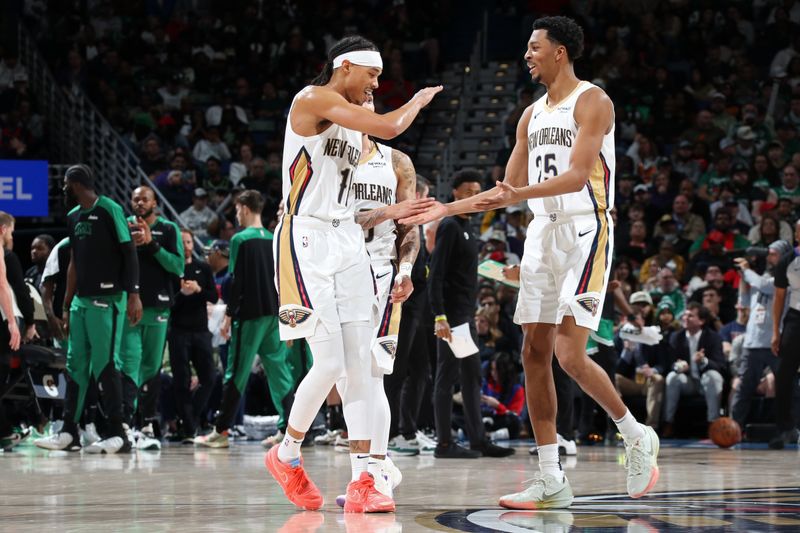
553 217
389 346
591 304
292 317
335 222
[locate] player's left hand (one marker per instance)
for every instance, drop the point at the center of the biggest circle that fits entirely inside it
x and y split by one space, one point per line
144 228
402 289
30 333
504 196
134 310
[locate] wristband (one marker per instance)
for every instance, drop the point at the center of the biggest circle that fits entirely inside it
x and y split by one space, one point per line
440 318
404 271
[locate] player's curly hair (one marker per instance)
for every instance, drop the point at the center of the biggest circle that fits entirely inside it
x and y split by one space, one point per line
564 31
352 43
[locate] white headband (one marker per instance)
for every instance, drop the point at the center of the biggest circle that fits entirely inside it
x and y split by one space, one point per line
364 58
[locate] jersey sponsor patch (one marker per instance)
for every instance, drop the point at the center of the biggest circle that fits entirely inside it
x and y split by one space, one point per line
590 304
106 285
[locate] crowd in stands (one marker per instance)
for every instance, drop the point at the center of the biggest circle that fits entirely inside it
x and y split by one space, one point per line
707 139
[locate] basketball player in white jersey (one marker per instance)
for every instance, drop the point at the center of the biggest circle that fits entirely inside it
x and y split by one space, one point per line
325 286
563 165
385 176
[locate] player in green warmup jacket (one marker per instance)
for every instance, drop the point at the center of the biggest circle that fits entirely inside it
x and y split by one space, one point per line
251 319
102 287
160 251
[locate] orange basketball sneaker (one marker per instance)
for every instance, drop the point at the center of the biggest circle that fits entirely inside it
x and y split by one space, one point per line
363 497
294 481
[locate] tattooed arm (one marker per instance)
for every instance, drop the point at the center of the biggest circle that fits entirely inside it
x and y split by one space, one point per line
407 234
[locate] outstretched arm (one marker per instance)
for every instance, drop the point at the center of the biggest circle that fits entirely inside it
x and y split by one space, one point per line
516 176
329 105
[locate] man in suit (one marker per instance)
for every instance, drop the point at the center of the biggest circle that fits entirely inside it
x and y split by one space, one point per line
698 367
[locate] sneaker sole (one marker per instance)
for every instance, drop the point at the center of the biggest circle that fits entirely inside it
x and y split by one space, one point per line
213 445
273 472
653 475
354 508
404 452
533 506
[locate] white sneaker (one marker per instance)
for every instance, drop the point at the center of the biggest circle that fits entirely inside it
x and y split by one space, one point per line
500 434
341 444
109 445
568 446
273 440
402 446
382 482
641 463
143 442
565 447
545 492
393 473
89 435
58 441
213 440
427 445
328 438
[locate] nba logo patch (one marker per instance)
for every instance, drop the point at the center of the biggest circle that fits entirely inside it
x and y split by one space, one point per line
590 304
305 241
293 317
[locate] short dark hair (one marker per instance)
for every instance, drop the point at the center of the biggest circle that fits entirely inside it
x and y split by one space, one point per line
187 230
467 175
252 200
564 31
702 313
82 174
351 43
47 239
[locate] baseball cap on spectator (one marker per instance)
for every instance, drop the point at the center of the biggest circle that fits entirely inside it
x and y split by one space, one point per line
775 144
717 94
716 236
200 192
663 162
745 133
726 143
666 219
685 144
221 246
665 303
641 188
641 297
166 120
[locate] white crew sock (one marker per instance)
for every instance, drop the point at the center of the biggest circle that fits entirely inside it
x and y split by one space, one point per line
629 427
289 449
358 464
549 462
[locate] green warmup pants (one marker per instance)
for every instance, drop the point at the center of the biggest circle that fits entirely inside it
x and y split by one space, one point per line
95 334
282 366
139 362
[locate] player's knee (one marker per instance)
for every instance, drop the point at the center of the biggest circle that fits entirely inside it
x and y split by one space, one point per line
533 355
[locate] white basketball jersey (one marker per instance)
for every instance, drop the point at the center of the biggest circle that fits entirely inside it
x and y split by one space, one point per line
551 135
376 186
318 172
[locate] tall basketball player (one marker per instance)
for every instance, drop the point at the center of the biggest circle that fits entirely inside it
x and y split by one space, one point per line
326 290
563 165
